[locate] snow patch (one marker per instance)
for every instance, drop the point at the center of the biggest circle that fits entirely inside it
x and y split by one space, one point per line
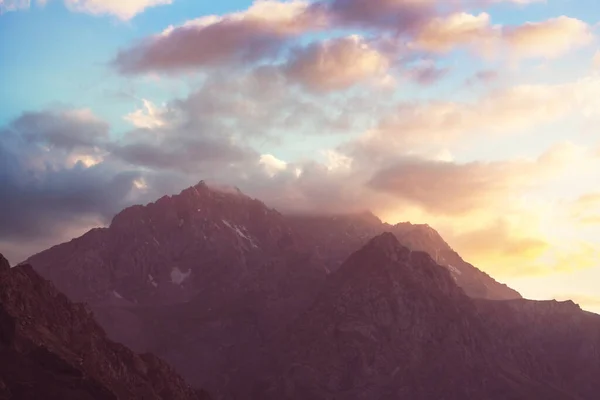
454 270
240 232
117 295
178 277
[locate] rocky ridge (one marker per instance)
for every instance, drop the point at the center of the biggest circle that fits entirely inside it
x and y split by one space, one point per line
52 348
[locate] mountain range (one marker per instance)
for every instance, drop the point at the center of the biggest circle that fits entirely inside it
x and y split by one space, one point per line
249 303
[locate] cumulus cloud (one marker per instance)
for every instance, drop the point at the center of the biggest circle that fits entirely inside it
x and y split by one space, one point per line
445 187
502 111
336 64
442 34
269 28
124 10
397 15
147 117
548 39
46 185
259 32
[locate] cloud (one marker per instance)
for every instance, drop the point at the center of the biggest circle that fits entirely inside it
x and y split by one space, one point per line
259 32
46 183
482 77
336 64
396 15
124 10
466 187
268 28
426 72
442 34
586 209
502 247
547 39
63 129
502 111
13 5
147 117
596 60
550 38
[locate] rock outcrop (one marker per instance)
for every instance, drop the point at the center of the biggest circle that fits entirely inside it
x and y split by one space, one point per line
51 348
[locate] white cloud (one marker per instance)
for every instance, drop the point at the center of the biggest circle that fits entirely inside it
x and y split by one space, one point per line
122 9
149 117
596 60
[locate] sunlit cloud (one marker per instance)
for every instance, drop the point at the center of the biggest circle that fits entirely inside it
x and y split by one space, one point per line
122 9
547 39
336 64
550 38
247 36
150 116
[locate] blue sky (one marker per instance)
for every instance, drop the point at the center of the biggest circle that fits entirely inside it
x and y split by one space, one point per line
479 119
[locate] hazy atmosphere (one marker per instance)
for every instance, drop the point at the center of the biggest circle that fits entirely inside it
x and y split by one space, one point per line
477 117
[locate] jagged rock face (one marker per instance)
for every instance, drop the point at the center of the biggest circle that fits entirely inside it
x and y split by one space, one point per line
202 241
209 280
552 341
392 324
51 348
201 279
335 237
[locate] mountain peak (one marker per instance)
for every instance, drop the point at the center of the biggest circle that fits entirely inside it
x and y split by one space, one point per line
387 242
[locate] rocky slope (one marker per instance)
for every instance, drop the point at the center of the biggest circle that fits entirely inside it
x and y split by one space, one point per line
51 348
335 237
392 324
201 279
209 279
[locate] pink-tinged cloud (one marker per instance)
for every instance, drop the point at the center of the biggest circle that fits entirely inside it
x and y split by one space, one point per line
504 111
336 64
256 33
442 34
550 38
122 9
450 188
395 15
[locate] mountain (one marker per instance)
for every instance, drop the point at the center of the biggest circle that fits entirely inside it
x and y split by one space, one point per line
202 279
210 280
335 237
391 323
51 348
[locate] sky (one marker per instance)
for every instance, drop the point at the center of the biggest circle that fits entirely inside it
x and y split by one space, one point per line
477 117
